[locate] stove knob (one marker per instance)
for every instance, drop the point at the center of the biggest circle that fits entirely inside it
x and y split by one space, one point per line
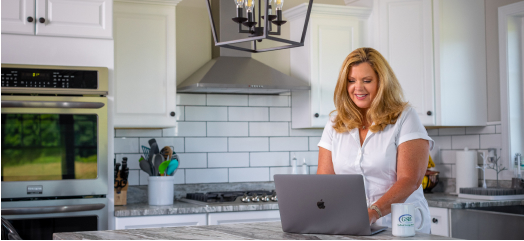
246 199
265 198
255 198
274 198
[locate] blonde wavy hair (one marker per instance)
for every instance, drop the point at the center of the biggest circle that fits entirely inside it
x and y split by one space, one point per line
388 103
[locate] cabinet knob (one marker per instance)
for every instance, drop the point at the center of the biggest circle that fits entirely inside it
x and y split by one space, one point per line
172 113
434 220
429 112
41 20
30 19
316 115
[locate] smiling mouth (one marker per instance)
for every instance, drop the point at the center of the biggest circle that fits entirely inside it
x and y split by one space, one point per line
361 97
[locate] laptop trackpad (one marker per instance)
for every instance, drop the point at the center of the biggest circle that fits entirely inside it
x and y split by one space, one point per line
377 229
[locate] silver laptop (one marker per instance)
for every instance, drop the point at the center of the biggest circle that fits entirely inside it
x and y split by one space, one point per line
323 204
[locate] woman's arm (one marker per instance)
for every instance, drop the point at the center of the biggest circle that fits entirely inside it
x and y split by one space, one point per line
325 164
412 162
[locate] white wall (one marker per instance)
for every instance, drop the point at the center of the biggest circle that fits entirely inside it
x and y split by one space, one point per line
40 50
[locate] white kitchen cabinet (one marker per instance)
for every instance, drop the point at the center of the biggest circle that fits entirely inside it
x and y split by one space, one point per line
15 14
405 29
80 18
243 217
333 32
145 85
160 221
440 221
438 53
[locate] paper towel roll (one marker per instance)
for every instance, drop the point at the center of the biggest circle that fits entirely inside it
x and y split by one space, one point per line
467 173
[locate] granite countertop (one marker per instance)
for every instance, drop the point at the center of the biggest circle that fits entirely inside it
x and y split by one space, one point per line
268 230
178 207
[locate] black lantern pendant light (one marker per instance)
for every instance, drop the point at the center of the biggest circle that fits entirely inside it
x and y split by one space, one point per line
249 25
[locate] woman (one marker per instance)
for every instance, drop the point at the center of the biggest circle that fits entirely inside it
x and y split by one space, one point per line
376 134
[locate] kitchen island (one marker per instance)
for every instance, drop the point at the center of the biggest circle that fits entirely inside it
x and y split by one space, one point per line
265 231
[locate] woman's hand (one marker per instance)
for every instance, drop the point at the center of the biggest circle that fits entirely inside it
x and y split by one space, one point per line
373 216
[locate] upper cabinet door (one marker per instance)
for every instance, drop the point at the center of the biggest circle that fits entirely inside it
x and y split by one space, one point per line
79 18
145 85
15 14
405 39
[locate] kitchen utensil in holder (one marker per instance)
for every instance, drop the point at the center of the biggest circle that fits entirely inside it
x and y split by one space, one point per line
160 190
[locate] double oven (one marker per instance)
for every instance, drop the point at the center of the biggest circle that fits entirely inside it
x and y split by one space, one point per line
54 149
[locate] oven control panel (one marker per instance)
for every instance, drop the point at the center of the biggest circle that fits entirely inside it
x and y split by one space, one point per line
49 78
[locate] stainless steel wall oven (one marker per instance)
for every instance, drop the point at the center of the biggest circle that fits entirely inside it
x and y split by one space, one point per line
54 149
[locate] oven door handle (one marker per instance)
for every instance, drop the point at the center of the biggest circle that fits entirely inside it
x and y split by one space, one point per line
52 209
51 104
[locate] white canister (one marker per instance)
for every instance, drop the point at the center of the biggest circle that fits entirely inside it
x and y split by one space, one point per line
403 219
160 190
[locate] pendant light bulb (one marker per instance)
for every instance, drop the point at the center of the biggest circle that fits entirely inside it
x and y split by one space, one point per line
249 5
239 3
270 2
280 3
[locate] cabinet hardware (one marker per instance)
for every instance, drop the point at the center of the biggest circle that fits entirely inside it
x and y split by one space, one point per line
316 115
41 20
172 113
429 112
435 220
30 19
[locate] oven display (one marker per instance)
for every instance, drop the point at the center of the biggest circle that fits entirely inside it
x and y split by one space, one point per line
49 78
49 147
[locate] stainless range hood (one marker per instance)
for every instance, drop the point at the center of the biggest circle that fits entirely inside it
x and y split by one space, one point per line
234 71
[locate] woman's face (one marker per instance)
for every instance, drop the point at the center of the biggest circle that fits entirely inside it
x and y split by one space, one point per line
362 85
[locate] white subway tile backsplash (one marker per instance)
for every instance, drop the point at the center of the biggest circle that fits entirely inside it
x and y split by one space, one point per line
228 159
305 132
176 143
192 160
248 144
443 142
208 144
179 114
498 129
143 178
269 129
432 132
288 144
137 132
490 141
255 174
204 113
226 100
268 100
132 160
313 143
190 99
248 113
313 170
133 178
278 170
227 129
448 157
269 159
126 145
451 131
446 170
213 175
461 142
480 130
311 157
179 176
279 114
187 129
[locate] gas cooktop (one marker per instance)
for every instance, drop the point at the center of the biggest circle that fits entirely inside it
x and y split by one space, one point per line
230 197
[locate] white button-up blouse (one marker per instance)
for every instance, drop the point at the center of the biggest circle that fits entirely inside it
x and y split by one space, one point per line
376 159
